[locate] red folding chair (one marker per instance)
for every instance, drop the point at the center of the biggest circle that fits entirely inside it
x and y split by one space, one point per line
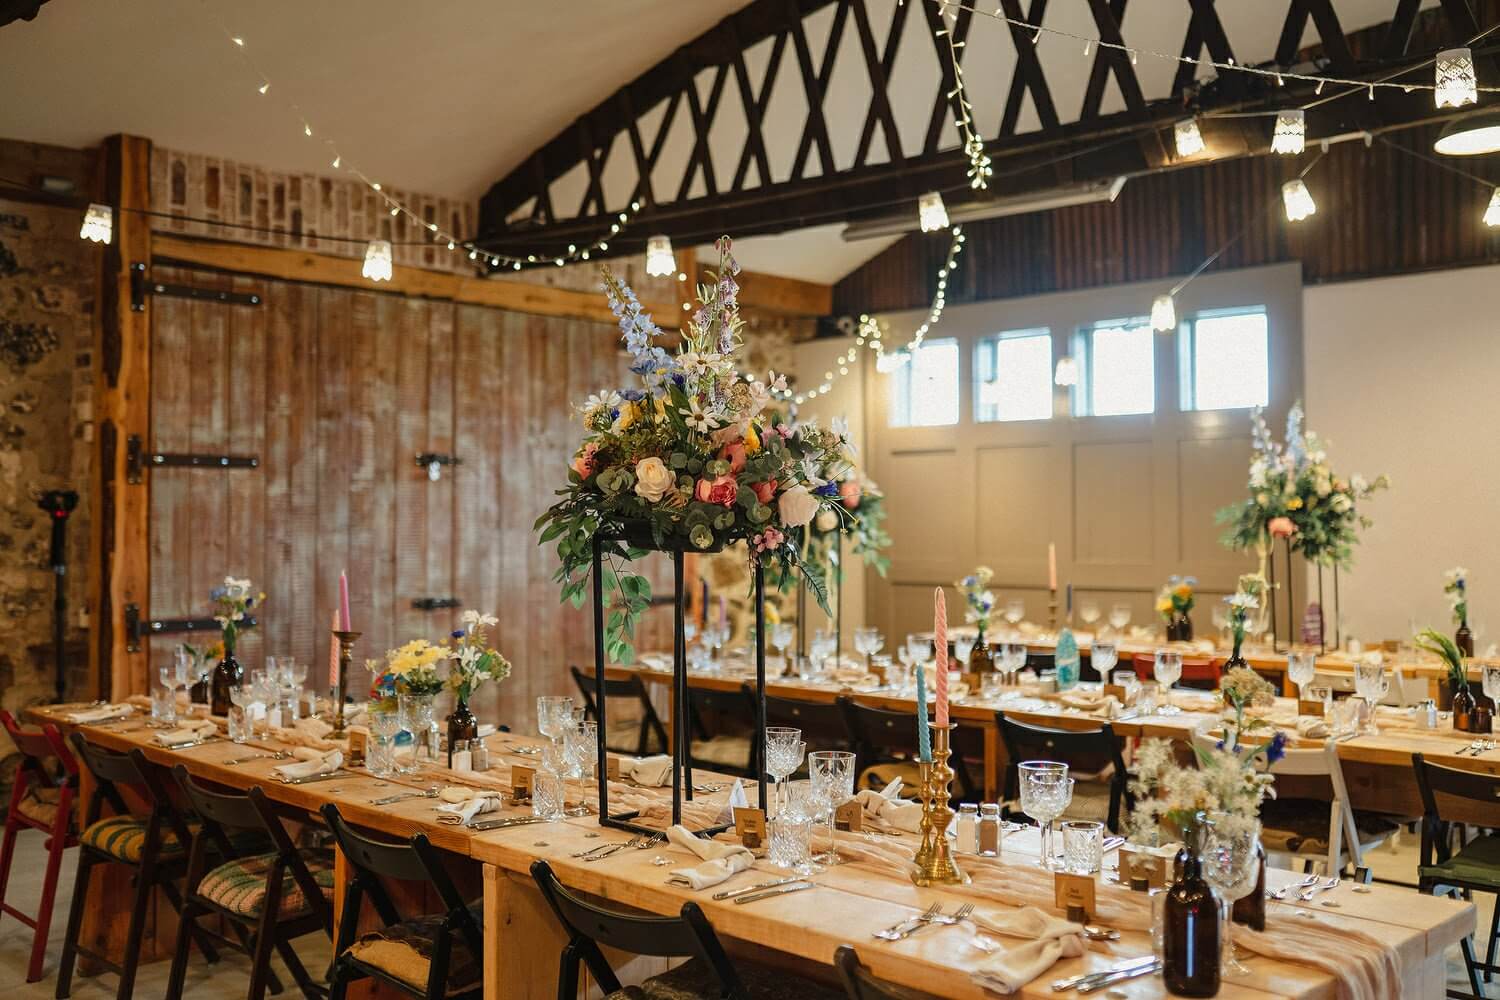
1202 672
42 799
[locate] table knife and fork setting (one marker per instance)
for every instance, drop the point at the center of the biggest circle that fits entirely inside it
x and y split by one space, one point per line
932 916
765 890
602 851
1476 748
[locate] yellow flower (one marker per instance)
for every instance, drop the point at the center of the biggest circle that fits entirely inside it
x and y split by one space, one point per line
772 617
752 440
629 413
1295 503
1183 591
1164 606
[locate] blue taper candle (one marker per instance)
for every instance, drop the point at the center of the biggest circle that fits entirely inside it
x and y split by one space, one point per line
924 736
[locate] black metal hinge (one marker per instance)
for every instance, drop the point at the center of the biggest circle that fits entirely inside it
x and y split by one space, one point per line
140 287
433 463
136 629
136 459
436 603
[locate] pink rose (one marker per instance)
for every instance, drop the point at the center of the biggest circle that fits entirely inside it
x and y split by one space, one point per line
583 462
734 454
849 493
722 491
764 491
768 539
1281 527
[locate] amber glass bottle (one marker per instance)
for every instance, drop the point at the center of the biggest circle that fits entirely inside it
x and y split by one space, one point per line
1190 934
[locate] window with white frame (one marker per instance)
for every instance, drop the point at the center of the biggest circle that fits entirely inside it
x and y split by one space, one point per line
1119 368
1225 360
1013 376
924 391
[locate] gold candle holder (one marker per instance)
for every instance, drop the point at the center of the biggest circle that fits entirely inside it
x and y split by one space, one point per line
1052 610
346 658
934 860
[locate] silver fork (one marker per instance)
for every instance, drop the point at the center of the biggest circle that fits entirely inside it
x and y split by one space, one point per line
595 850
277 755
941 919
610 850
893 932
1307 896
1310 880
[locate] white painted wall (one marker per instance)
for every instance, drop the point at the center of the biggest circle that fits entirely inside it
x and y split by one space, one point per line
1401 377
846 399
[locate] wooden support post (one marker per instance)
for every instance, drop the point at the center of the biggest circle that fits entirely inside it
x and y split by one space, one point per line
119 568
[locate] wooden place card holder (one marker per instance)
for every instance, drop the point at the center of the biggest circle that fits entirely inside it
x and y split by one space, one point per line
521 778
1073 893
1313 707
849 817
750 827
612 768
1135 863
1118 693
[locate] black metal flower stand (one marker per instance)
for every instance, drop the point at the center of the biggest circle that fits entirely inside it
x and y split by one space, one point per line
682 771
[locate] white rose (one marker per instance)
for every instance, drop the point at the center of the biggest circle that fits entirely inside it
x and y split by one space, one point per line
797 506
827 520
653 479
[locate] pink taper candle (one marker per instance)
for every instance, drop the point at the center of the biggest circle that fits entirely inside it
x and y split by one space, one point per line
940 645
333 655
1051 565
344 602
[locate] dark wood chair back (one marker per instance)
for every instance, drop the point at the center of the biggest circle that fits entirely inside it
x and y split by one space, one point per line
734 711
1450 799
590 926
824 725
860 984
885 736
652 735
109 770
1085 751
415 861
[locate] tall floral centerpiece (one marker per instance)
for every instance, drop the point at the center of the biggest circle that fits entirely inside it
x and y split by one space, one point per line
231 602
472 661
687 458
1174 604
859 515
1456 586
979 602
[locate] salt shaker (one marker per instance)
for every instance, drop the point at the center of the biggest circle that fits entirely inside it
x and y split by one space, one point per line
967 828
1426 714
462 758
479 755
988 845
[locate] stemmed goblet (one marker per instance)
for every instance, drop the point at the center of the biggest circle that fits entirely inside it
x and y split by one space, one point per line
963 648
1088 611
1046 791
1167 670
1102 657
1301 668
784 752
1015 610
868 641
832 774
1119 617
1230 856
781 637
1371 683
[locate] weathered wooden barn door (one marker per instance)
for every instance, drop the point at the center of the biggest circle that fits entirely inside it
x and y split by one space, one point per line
334 393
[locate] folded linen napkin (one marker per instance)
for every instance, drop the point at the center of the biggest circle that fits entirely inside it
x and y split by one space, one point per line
720 860
1049 938
103 713
1195 701
1313 728
313 727
190 730
652 772
889 810
461 805
309 763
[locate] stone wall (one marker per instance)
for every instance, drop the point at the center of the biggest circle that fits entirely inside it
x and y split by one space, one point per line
47 277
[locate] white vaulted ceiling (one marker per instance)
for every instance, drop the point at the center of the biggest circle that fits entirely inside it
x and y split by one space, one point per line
446 97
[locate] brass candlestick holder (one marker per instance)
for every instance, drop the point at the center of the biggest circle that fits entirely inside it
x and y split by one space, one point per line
346 657
1052 610
934 860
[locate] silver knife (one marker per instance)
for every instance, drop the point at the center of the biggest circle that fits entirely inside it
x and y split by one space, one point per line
731 893
778 891
496 824
1118 977
1063 985
309 778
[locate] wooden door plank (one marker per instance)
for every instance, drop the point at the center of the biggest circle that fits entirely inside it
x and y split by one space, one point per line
244 489
441 537
335 466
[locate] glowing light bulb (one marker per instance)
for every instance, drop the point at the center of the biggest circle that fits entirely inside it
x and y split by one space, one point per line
1291 132
1067 371
1299 201
98 224
932 214
1189 139
1492 214
1456 84
378 260
659 259
1163 314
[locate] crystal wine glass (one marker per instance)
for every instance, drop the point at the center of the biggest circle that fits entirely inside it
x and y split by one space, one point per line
868 641
1230 856
832 774
781 637
1012 659
164 708
791 831
921 649
554 713
581 746
182 668
1088 611
1119 617
784 753
1167 671
1372 684
1103 656
385 724
241 696
1301 668
1046 791
963 648
1015 610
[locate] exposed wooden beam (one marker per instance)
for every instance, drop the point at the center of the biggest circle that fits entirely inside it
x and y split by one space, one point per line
120 569
764 292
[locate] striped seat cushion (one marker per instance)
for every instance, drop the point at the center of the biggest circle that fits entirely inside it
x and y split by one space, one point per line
124 837
239 886
39 805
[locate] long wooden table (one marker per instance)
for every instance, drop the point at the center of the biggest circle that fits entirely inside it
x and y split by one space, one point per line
1377 767
522 941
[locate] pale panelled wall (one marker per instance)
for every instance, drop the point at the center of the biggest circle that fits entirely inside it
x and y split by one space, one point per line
1128 500
337 391
1401 380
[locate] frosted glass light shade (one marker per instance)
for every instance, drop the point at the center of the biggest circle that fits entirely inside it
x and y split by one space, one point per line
660 262
1291 132
1163 314
1299 201
1067 371
378 260
98 224
1456 84
932 214
1189 139
1492 214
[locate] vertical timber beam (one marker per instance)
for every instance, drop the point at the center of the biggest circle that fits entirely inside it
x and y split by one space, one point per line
119 570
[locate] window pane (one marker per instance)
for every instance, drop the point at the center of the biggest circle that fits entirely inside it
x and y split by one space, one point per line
924 391
1230 362
1015 377
1122 374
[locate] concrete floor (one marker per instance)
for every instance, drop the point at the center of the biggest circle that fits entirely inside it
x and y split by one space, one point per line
230 977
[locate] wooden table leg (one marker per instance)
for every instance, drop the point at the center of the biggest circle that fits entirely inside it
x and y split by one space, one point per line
522 941
991 763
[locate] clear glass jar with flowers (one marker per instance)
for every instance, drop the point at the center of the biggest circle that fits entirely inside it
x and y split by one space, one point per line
1174 604
414 677
232 603
979 607
472 662
1456 586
